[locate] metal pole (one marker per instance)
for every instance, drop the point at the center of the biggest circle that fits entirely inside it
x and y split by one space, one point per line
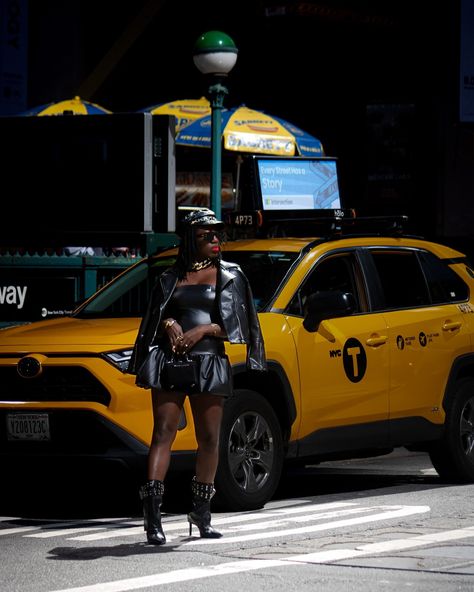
217 93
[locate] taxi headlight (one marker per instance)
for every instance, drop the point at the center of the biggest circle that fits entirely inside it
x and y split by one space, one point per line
119 359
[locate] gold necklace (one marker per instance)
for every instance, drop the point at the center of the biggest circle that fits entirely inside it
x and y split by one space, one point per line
198 265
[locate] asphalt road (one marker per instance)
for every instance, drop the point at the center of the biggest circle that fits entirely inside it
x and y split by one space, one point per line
376 524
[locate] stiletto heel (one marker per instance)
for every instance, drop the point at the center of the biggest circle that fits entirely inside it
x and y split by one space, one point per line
201 513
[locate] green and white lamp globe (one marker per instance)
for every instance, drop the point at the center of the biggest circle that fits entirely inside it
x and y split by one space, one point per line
215 53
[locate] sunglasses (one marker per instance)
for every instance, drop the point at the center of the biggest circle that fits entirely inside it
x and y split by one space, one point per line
208 236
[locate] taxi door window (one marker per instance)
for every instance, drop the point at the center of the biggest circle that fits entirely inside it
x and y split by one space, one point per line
402 280
445 284
333 273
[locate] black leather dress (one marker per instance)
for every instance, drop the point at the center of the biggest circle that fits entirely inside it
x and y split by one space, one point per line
194 305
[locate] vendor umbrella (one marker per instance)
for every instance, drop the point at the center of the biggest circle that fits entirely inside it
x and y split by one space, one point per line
75 106
185 110
247 130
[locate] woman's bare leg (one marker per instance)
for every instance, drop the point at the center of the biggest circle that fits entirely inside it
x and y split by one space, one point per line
166 413
207 413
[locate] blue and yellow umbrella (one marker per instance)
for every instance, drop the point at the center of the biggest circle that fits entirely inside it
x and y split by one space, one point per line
247 130
185 110
75 106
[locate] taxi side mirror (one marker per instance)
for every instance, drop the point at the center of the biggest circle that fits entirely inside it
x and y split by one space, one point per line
327 305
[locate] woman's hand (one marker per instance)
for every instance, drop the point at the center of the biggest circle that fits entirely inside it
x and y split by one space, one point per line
174 331
191 337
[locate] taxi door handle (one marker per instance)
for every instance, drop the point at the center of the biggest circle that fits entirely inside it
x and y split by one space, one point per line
451 326
376 341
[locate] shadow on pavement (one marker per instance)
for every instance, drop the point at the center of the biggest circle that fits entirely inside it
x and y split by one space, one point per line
48 493
400 469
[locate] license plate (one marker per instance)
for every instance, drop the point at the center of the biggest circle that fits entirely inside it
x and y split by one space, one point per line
28 426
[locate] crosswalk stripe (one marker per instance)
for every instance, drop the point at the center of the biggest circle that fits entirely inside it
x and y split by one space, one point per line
112 534
305 518
181 525
52 530
384 515
18 530
62 531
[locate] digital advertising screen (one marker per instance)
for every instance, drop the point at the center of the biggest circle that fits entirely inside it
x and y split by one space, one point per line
298 183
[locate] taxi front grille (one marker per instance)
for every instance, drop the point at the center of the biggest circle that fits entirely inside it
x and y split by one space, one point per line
55 383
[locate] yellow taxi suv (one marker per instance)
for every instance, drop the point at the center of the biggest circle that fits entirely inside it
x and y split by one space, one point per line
369 341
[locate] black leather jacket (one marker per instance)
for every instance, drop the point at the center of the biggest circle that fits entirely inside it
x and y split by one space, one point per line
236 307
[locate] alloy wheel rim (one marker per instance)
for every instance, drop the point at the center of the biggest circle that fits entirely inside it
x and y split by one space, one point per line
251 451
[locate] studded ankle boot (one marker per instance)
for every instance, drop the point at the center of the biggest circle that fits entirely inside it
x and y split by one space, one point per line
202 493
152 496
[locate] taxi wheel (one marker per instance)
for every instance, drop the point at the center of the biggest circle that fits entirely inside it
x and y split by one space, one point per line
251 453
453 456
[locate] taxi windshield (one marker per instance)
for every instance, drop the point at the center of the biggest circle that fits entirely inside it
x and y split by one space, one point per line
127 295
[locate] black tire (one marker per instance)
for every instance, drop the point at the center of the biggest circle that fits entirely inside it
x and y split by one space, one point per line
251 453
453 456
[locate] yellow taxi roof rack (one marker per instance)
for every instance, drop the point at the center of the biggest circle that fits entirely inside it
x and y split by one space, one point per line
329 224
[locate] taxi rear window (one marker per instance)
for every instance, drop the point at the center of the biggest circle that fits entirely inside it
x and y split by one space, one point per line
445 284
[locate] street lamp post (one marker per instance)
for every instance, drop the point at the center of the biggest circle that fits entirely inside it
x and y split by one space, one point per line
215 54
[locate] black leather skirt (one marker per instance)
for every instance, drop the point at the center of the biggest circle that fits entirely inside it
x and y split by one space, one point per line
215 374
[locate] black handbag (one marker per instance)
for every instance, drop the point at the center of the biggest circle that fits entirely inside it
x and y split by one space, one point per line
180 373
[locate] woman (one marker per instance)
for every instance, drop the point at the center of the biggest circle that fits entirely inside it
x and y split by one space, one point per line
197 304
